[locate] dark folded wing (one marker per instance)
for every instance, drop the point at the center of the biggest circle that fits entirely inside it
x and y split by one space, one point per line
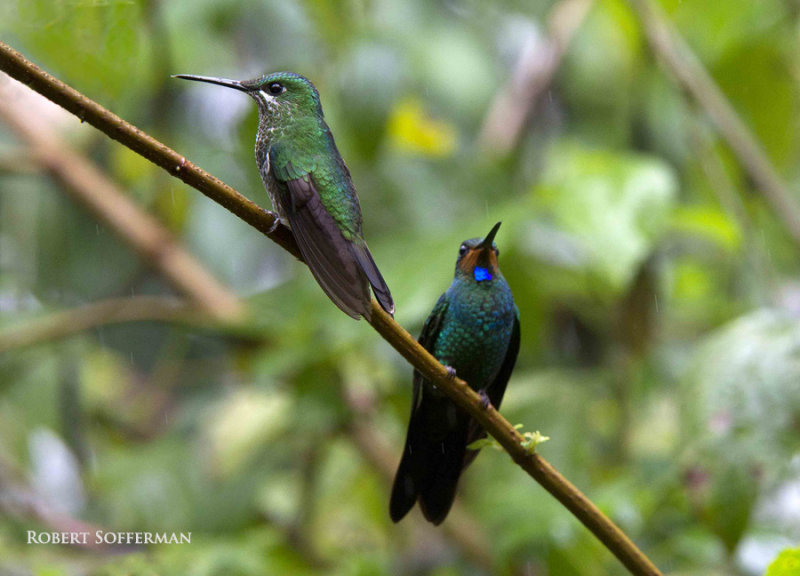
328 254
497 388
429 335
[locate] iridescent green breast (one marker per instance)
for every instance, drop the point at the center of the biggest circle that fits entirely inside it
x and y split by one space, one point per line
476 329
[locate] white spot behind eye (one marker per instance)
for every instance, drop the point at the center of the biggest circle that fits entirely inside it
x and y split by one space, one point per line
266 96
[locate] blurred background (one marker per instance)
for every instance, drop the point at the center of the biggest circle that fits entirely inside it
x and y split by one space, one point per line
165 367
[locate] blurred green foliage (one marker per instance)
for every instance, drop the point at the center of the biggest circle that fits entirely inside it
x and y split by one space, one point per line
659 294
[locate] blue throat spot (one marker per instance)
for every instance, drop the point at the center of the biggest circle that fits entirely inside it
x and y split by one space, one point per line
481 274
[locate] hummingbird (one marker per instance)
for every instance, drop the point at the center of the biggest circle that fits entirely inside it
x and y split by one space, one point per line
474 331
310 187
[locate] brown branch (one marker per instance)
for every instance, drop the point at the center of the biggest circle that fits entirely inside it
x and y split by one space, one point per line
533 73
687 69
89 186
606 531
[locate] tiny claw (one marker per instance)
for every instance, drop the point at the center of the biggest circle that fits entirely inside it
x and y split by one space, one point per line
276 221
451 373
485 401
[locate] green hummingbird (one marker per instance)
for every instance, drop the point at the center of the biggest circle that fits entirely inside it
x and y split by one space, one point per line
474 330
311 189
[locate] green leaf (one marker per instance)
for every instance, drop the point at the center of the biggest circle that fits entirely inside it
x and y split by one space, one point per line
483 443
532 440
787 563
708 222
610 206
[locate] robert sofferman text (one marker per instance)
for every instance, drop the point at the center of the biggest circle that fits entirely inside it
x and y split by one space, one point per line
104 537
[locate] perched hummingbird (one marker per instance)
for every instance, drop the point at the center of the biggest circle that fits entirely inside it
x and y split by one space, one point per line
310 187
474 330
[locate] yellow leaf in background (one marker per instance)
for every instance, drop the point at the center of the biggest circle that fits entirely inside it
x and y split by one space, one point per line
413 130
710 223
786 564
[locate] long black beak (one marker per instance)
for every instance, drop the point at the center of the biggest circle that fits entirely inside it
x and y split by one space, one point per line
235 84
487 242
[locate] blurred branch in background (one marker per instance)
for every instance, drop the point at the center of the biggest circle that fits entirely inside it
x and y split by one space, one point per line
67 323
98 193
538 62
18 162
15 64
702 142
687 69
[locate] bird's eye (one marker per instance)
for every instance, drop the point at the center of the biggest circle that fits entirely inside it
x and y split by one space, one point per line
497 251
276 88
462 250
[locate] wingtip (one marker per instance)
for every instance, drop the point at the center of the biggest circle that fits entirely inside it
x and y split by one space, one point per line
387 307
382 295
374 276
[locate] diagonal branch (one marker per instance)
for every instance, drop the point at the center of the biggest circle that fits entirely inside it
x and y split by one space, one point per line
537 467
682 63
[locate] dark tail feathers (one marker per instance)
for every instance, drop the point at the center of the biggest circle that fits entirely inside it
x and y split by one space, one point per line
429 470
379 287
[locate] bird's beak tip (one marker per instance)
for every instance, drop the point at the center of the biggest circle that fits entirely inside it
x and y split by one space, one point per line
487 242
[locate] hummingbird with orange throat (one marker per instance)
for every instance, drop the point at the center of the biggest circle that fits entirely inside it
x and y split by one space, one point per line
474 330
